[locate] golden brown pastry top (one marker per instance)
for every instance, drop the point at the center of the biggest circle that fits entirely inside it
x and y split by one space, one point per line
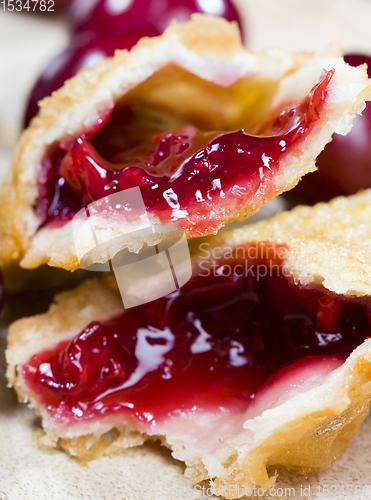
329 243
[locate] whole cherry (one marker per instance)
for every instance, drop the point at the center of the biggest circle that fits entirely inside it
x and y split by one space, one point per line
344 166
100 27
85 50
103 14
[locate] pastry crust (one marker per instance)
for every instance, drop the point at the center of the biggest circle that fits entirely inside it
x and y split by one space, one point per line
330 243
211 50
307 432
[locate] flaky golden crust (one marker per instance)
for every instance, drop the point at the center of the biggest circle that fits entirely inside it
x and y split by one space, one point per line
206 47
329 243
306 432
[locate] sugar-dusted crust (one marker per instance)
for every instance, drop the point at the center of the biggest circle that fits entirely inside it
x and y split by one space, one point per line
208 48
330 243
306 433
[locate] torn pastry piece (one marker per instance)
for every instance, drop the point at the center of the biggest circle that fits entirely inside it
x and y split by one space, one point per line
262 359
208 130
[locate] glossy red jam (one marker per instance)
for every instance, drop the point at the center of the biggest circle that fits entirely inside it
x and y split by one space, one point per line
235 327
344 166
192 178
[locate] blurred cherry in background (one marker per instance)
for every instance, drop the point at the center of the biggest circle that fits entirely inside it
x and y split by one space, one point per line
85 50
99 27
344 166
105 14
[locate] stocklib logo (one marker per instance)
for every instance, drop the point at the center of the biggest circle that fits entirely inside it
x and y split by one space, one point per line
115 233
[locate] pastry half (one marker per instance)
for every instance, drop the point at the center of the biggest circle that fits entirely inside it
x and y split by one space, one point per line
206 129
262 359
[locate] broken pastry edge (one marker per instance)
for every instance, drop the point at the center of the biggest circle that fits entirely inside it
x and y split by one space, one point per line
61 115
293 445
89 447
344 393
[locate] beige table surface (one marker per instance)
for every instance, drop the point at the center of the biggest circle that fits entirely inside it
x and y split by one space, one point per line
28 472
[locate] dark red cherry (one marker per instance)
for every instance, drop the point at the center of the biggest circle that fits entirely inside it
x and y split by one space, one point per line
102 14
85 50
344 167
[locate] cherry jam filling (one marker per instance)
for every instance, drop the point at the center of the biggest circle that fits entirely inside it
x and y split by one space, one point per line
231 330
195 178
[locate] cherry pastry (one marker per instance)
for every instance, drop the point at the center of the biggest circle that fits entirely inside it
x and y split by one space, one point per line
188 121
262 359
